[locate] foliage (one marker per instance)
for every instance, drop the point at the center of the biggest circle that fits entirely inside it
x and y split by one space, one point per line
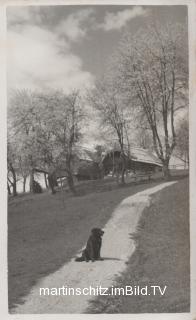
37 187
45 127
111 105
151 69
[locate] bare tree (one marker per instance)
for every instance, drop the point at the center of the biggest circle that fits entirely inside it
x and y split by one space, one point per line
8 189
22 124
152 70
143 137
23 169
62 124
45 127
109 102
11 173
99 151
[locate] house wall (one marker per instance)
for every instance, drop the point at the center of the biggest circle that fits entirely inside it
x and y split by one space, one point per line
88 171
113 160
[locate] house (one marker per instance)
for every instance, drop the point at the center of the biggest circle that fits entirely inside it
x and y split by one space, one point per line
138 160
178 164
88 166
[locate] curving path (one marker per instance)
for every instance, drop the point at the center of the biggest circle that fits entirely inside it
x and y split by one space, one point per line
117 249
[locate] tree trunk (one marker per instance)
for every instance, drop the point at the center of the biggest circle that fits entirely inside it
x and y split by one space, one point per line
46 182
70 182
123 160
101 174
118 178
14 188
123 176
166 170
24 184
55 182
8 189
101 170
31 182
51 182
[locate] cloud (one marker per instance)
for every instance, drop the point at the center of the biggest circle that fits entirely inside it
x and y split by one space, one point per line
41 56
38 58
23 14
115 21
76 25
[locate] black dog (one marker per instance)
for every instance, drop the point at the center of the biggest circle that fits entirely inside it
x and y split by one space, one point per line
93 246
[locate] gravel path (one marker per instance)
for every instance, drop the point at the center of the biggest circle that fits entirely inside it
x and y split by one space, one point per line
117 249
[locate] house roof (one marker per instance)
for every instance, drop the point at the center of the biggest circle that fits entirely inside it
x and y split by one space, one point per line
144 155
138 155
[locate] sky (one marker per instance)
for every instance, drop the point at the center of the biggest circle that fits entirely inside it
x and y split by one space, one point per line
68 47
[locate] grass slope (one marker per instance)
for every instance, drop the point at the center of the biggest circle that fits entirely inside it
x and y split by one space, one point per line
44 232
161 258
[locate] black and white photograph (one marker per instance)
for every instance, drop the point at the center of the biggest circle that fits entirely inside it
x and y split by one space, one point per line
98 153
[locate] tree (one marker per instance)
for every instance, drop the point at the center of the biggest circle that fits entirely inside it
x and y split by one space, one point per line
22 122
182 143
152 70
110 104
11 174
23 169
99 151
144 140
46 127
8 189
62 124
45 179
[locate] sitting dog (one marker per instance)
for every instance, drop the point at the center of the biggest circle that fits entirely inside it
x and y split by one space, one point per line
93 246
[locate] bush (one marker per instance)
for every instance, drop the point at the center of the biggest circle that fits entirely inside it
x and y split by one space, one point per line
37 187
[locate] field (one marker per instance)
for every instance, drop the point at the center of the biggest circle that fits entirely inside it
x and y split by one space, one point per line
45 231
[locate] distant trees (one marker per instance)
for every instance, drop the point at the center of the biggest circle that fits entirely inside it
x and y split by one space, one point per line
45 127
151 68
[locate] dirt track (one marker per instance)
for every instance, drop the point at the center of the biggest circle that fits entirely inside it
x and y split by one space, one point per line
117 249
